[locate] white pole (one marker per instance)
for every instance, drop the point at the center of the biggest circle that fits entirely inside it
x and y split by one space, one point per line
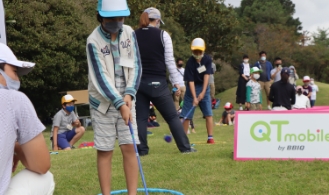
3 38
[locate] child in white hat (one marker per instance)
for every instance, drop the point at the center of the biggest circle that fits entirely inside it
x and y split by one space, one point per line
228 115
254 90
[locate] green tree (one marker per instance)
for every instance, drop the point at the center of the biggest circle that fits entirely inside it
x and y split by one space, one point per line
210 20
269 11
53 35
180 42
313 60
321 37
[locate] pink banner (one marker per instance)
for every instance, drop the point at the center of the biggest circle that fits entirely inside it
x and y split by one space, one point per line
282 135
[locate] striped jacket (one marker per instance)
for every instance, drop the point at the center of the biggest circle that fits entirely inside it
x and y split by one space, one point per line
101 73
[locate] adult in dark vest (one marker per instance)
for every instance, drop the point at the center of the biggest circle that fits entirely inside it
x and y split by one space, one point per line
156 52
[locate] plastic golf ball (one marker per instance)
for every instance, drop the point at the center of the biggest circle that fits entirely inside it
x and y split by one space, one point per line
167 138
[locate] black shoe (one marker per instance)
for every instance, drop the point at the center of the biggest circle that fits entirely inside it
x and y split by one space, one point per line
189 151
72 147
143 154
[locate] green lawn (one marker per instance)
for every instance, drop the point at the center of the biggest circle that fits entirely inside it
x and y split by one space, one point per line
210 171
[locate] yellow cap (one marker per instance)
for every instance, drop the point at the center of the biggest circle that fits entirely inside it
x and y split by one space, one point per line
68 98
198 44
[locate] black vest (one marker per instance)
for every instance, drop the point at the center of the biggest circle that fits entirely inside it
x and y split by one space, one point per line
151 48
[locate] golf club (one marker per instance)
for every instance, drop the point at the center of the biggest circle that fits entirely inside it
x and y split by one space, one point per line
138 158
185 117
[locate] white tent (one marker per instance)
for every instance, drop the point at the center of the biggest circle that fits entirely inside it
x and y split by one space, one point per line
3 38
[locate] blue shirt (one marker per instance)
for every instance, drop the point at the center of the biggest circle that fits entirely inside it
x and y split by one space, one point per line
269 67
191 73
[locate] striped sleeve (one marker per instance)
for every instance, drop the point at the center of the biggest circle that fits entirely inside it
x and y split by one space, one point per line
169 58
100 76
135 73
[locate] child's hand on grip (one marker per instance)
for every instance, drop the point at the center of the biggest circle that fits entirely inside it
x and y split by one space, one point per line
125 113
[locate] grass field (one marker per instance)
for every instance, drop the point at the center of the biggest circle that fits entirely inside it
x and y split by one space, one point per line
210 171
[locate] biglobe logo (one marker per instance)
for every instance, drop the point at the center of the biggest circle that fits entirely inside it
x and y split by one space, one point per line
261 131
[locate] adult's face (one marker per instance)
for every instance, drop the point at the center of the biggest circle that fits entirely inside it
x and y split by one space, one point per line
11 71
278 62
285 77
180 63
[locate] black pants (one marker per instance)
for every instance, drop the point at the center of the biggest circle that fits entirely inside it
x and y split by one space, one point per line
162 100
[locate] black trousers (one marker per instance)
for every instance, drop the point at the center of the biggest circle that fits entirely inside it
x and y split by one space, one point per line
160 96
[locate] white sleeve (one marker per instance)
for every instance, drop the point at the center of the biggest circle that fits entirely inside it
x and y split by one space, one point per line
27 122
169 59
171 81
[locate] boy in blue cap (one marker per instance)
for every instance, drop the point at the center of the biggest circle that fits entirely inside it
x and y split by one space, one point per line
114 75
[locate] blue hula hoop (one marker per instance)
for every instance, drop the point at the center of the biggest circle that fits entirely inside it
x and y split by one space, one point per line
154 190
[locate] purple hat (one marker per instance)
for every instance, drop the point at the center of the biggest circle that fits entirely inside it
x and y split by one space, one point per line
285 70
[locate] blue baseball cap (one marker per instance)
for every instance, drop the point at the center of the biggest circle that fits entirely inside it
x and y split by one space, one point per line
285 70
113 8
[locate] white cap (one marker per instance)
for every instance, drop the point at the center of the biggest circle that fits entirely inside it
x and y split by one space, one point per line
8 57
306 78
198 44
113 8
255 69
154 13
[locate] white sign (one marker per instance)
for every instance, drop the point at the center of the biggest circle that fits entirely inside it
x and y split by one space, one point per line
301 135
2 24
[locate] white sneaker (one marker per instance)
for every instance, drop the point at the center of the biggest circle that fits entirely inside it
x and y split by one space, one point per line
230 123
240 108
269 107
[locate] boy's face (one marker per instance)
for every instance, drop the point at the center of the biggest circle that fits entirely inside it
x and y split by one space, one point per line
255 75
68 104
197 52
113 19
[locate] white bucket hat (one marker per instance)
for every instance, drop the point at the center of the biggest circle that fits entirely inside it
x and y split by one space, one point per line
113 8
8 57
